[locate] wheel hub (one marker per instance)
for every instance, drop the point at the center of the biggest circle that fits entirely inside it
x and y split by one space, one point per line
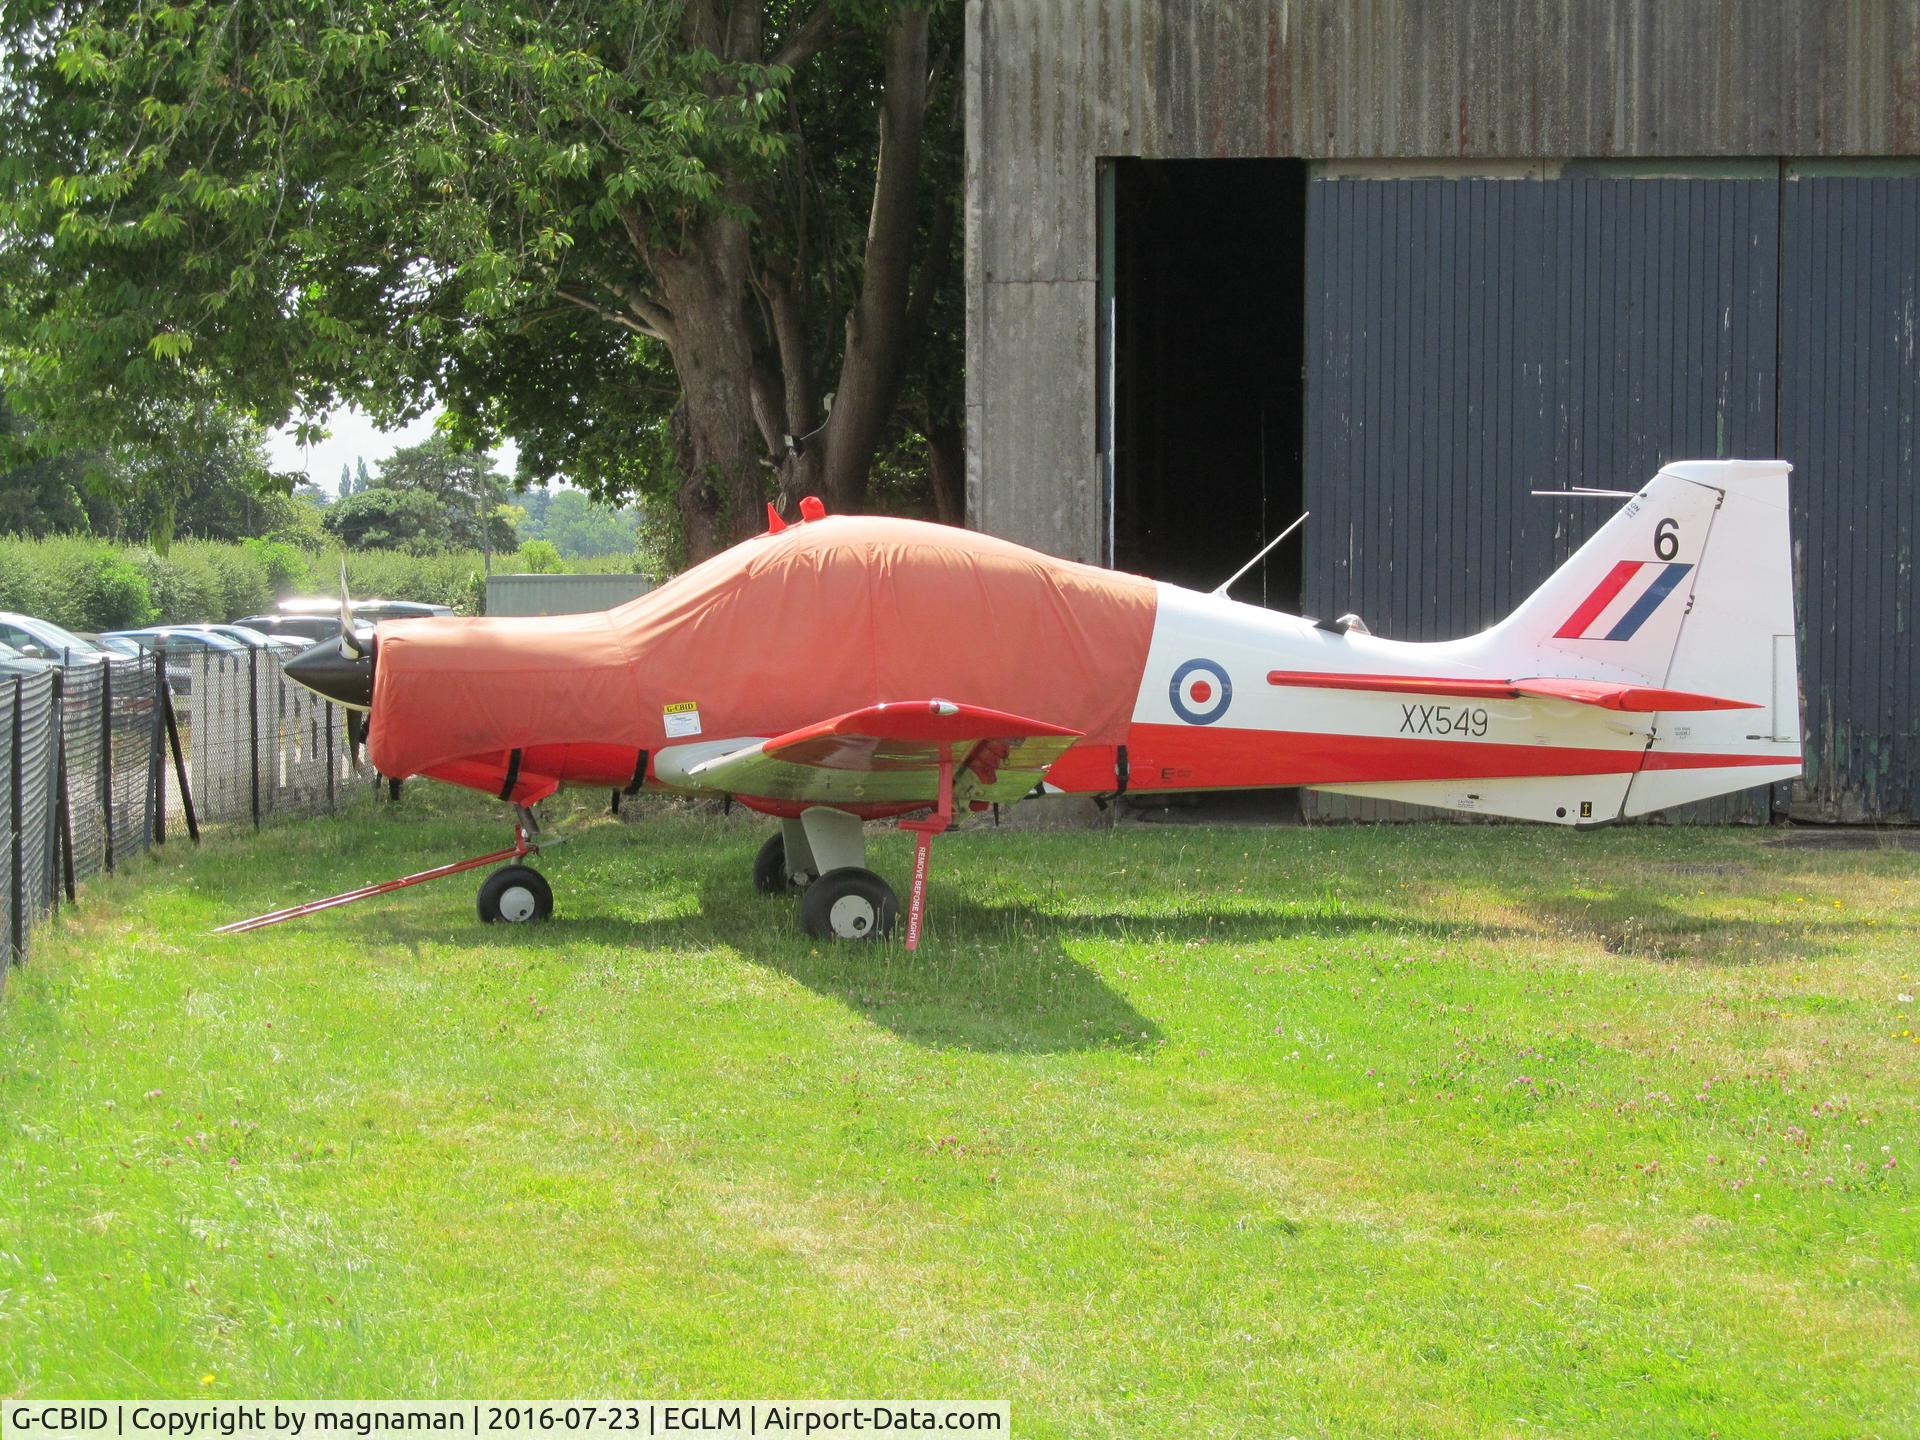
517 903
852 917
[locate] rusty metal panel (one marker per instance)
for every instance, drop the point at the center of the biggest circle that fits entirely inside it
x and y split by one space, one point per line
1471 340
1460 78
1850 395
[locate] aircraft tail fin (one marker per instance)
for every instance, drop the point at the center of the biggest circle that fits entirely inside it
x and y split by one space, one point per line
1688 588
1666 644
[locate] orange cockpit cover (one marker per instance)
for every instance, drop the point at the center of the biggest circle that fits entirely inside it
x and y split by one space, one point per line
779 632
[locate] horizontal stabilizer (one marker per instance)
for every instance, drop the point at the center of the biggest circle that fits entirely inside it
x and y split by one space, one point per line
1607 694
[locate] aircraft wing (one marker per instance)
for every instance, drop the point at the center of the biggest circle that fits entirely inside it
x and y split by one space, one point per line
887 754
1607 694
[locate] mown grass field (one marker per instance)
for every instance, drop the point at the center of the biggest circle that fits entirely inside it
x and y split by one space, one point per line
1398 1131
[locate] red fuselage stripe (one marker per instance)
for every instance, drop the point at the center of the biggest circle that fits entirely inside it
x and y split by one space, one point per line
1473 687
1169 757
1601 597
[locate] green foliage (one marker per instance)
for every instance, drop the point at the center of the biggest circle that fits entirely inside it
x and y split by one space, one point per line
90 584
578 528
278 206
73 581
284 566
179 257
244 588
39 494
443 578
540 557
464 487
382 519
186 588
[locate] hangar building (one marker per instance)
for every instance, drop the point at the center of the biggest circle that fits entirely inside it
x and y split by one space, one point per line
1399 262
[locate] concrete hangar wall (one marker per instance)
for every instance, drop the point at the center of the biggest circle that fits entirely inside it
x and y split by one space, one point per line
1401 261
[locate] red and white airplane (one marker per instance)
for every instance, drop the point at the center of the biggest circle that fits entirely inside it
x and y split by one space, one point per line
853 668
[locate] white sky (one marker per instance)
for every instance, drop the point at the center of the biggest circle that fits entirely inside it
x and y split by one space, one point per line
351 436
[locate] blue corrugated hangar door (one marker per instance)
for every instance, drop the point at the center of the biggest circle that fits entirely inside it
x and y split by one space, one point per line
1472 339
1849 401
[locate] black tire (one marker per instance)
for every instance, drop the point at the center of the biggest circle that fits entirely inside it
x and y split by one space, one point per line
849 904
515 895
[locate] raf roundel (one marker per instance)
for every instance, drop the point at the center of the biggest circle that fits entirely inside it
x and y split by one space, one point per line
1200 692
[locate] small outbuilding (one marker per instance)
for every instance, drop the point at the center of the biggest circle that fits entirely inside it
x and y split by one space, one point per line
561 594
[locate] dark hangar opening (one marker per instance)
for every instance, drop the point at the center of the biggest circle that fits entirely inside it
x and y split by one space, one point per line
1202 334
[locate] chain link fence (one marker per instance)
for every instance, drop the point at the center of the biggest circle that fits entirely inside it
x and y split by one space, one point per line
103 760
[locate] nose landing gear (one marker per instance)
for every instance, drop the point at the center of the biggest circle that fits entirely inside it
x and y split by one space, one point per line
515 894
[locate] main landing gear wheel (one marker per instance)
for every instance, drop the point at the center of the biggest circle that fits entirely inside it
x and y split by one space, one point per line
770 874
849 904
515 895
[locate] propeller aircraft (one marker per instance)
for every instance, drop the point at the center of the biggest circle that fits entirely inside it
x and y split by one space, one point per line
840 670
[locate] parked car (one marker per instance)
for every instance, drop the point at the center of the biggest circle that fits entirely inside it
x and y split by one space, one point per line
369 610
14 661
43 640
302 630
115 645
178 639
181 640
247 637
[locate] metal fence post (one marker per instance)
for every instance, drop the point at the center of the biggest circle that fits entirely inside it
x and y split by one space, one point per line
157 758
180 767
60 802
106 755
16 913
253 728
326 709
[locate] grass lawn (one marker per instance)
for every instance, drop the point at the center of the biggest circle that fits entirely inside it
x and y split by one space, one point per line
1390 1131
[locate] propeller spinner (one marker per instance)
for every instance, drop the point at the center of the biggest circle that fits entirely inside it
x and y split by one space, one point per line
341 669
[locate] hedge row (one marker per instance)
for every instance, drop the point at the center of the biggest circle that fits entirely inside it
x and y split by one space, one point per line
87 584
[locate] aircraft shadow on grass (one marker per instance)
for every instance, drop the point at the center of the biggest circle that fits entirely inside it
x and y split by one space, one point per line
991 976
1670 933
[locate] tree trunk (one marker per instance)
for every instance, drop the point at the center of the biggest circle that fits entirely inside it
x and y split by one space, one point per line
724 445
878 327
947 468
739 340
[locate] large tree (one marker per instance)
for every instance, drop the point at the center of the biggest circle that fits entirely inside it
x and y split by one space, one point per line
570 222
468 495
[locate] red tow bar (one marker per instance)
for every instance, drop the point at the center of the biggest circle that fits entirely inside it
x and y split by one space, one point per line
519 848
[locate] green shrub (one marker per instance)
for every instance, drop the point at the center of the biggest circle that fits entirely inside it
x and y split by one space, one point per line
74 581
241 578
540 557
22 577
104 590
287 567
186 589
89 584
